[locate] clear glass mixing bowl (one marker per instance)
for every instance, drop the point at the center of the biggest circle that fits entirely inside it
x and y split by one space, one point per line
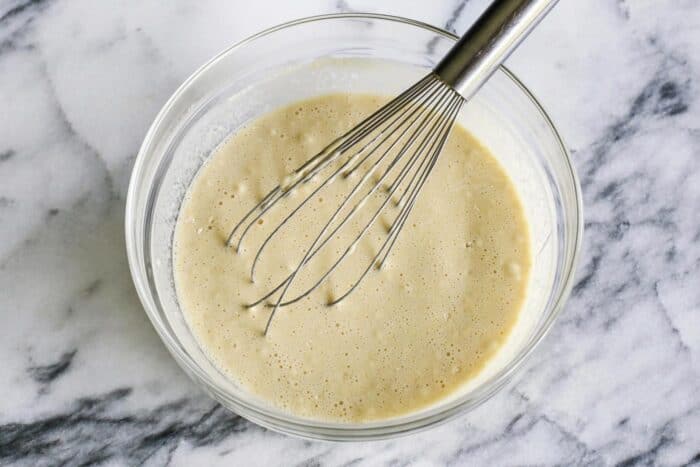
336 53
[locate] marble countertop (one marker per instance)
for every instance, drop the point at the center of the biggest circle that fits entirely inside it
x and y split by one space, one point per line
85 379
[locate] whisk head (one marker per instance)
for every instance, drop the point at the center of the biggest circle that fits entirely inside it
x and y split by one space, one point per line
385 161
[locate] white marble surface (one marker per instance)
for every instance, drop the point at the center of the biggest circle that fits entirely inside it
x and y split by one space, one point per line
85 380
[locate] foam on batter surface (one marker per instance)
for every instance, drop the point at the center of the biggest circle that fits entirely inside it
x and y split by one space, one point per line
411 334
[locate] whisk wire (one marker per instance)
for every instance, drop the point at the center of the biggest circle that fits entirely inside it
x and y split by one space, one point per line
404 138
444 104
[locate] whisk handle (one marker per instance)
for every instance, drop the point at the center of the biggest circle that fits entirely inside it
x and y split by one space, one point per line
497 32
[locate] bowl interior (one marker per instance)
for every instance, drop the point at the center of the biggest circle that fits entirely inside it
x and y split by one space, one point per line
344 53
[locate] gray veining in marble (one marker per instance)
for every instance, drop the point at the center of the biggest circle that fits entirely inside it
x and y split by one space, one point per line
85 379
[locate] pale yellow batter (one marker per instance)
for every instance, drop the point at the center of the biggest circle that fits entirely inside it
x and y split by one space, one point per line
411 334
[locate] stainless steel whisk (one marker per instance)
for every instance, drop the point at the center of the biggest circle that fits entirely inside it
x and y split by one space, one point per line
413 128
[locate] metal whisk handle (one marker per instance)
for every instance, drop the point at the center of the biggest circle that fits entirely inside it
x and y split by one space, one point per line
496 33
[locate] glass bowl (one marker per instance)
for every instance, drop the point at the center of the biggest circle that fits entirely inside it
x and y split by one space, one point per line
359 53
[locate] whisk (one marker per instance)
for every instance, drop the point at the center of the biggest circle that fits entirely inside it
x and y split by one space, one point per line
396 148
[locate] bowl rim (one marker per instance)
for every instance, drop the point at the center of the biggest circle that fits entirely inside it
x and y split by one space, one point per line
316 429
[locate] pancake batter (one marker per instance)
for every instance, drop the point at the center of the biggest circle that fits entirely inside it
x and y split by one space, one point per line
411 334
